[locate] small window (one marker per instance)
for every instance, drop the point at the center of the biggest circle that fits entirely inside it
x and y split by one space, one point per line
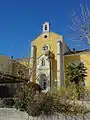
44 84
20 73
43 62
45 27
45 36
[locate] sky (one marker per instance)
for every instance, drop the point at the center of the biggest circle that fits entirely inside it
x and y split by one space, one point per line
21 22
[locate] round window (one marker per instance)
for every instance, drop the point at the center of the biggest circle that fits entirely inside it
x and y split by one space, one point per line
45 48
45 36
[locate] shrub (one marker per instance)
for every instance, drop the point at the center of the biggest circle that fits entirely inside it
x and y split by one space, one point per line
75 76
47 103
65 102
7 102
20 104
76 72
41 104
62 101
25 94
35 102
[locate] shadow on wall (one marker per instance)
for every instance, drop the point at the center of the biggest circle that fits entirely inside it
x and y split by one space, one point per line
54 72
67 59
71 58
9 89
4 91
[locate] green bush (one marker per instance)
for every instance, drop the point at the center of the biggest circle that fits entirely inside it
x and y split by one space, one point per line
76 72
20 104
65 101
7 102
75 76
61 101
35 102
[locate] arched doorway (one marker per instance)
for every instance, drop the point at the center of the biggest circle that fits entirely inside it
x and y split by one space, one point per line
43 81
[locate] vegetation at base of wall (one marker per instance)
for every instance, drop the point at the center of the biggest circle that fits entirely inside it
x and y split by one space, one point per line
76 73
75 76
8 102
42 103
20 104
25 94
63 100
35 102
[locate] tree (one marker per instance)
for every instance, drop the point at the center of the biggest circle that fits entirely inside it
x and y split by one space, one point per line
50 56
76 72
80 28
75 76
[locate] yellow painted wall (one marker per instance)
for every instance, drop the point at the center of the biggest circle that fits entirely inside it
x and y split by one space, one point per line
50 40
4 64
25 64
24 61
12 67
83 57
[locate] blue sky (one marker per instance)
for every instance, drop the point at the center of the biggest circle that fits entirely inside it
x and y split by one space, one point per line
21 21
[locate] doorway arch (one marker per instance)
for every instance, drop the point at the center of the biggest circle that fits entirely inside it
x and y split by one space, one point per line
43 81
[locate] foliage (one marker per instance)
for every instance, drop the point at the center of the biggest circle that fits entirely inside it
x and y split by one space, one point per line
62 101
75 77
41 104
49 54
25 93
76 72
20 104
7 102
35 102
81 25
65 101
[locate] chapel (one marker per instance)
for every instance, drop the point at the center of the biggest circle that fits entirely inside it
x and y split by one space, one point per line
47 58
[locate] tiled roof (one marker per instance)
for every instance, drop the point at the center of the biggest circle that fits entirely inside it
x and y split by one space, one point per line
78 51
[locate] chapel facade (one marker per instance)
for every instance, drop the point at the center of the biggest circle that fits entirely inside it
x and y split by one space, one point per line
47 59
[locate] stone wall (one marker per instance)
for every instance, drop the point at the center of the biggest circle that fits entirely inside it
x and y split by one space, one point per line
13 114
8 89
13 67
